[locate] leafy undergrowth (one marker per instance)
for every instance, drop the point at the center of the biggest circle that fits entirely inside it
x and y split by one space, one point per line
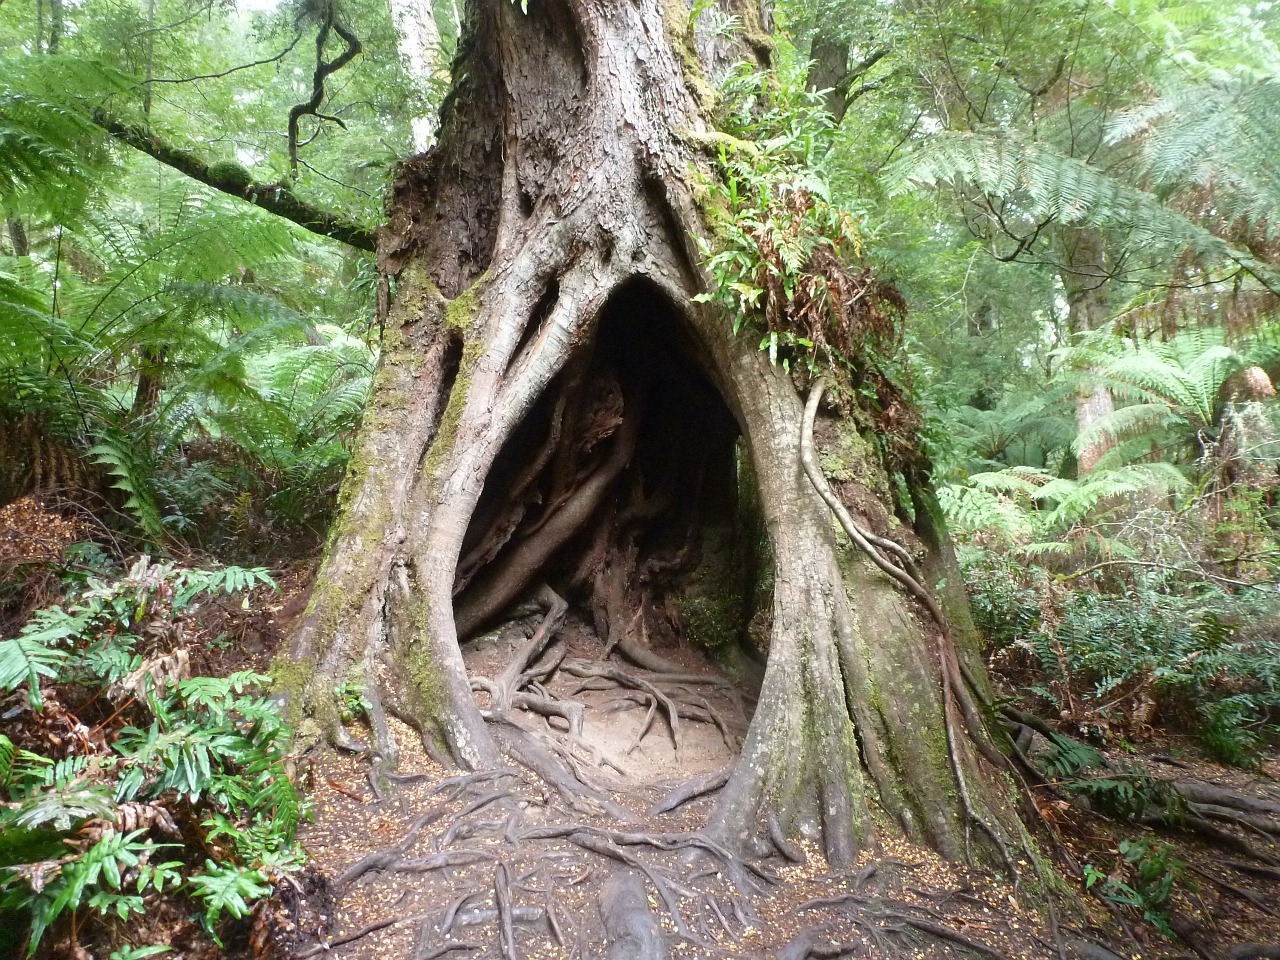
137 791
1151 715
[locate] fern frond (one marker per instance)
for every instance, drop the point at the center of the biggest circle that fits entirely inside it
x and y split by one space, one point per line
25 659
1047 184
1124 423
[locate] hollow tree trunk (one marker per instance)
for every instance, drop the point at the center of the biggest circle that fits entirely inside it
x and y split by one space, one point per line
564 174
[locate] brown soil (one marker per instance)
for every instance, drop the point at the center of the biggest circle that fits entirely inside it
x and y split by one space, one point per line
563 880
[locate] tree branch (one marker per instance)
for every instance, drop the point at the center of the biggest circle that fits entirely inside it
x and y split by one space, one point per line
845 83
323 69
226 73
233 180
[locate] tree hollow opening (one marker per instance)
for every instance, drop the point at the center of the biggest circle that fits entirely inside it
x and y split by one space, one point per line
625 492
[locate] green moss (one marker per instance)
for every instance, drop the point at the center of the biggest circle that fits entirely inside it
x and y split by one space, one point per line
853 458
228 174
426 681
679 30
711 141
447 433
463 308
290 679
711 620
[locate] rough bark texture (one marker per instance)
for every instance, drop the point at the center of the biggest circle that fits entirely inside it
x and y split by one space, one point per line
543 359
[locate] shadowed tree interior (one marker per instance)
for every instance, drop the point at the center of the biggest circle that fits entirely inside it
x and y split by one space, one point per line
620 491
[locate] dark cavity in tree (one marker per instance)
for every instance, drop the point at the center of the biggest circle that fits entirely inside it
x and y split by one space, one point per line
621 490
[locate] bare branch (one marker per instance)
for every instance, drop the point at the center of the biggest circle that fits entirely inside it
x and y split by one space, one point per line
323 69
226 73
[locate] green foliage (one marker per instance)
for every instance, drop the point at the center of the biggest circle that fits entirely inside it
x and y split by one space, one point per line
151 335
1144 878
50 151
777 258
1109 663
1174 389
204 752
1038 514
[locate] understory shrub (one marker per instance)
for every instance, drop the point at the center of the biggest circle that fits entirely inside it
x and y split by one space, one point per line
126 778
1111 663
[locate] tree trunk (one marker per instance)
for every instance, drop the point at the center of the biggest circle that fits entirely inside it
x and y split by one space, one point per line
1085 278
553 407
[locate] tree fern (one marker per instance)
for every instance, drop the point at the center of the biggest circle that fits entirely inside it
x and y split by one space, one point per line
50 150
1175 387
1042 183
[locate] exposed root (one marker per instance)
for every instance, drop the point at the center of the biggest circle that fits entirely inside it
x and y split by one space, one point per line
451 913
502 901
585 669
424 950
785 847
1257 869
690 790
524 747
374 927
876 916
646 659
696 709
382 860
631 929
953 693
1254 951
1253 897
508 681
735 866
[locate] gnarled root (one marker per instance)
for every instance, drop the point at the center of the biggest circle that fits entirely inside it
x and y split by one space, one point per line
633 932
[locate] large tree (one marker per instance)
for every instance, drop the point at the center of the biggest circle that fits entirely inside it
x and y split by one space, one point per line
555 406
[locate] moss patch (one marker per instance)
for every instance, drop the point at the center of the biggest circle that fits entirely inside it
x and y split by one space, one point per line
851 458
447 433
464 308
679 30
290 679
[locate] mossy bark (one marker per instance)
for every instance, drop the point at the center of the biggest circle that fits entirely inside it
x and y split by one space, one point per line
564 175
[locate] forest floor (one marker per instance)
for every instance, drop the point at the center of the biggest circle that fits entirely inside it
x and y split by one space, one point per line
504 866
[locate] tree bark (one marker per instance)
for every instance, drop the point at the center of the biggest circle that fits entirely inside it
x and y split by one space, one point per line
558 201
1085 277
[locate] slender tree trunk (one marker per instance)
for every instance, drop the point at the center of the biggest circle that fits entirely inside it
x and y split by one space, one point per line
55 26
18 237
149 56
543 331
419 48
1085 279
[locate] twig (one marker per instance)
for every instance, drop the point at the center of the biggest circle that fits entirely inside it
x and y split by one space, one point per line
374 927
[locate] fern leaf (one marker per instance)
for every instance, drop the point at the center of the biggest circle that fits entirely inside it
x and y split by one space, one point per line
25 659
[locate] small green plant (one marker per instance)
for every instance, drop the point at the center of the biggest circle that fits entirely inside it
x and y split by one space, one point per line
188 765
351 701
1143 878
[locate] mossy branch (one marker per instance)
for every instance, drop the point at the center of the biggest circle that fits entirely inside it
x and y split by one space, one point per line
234 180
